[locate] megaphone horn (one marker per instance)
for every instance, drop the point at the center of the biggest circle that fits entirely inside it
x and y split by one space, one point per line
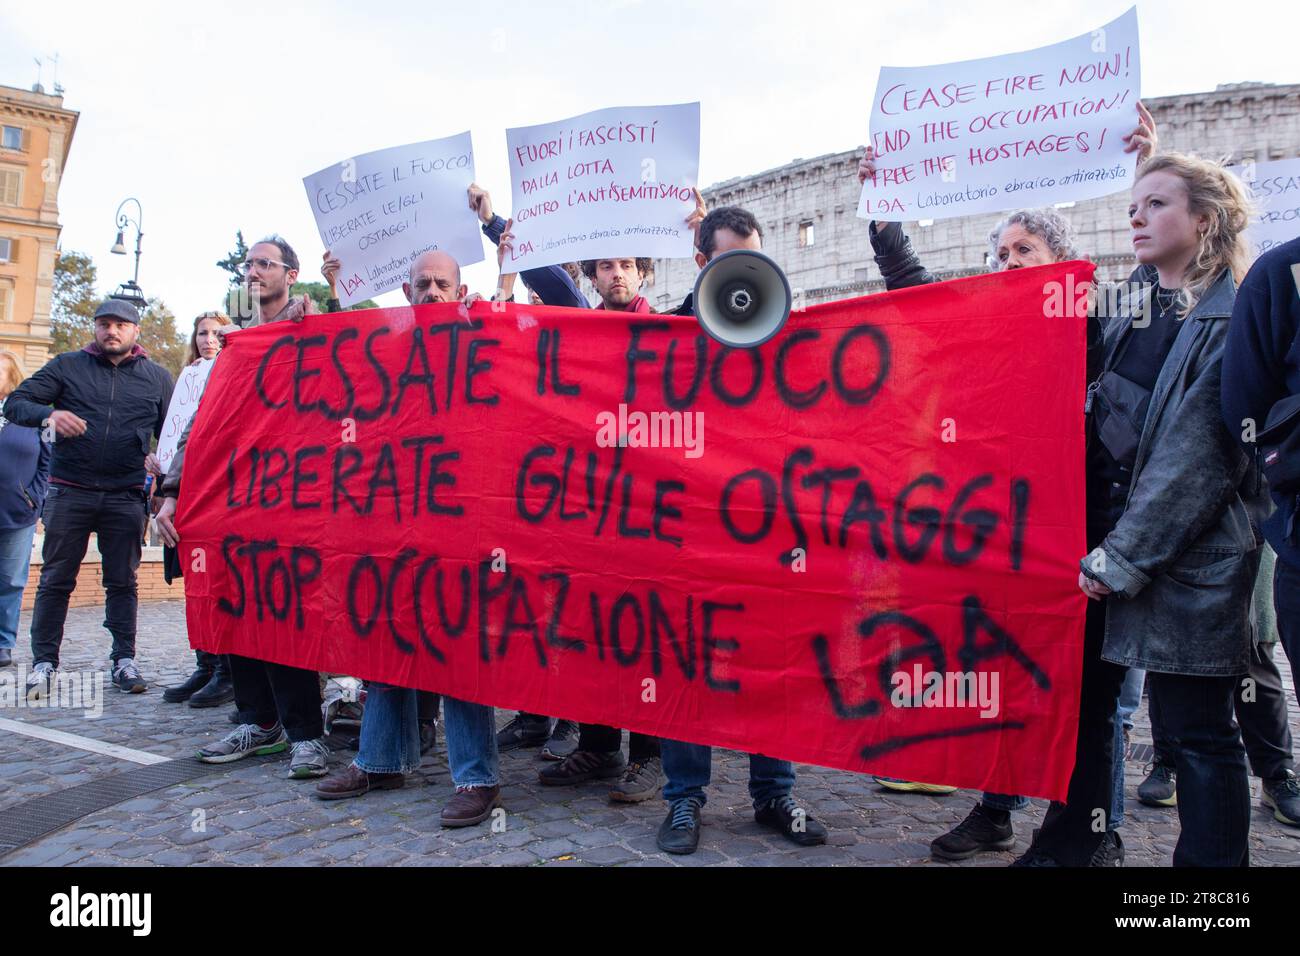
742 298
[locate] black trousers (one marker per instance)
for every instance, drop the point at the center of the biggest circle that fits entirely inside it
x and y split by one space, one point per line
426 703
267 692
1072 831
1196 714
605 740
71 515
1265 730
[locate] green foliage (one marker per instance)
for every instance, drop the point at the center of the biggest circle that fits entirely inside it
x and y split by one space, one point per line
320 294
72 313
235 259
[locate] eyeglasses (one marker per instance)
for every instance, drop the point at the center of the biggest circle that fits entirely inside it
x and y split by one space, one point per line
260 264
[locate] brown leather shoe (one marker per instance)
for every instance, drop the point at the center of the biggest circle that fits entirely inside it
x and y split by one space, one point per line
352 781
470 805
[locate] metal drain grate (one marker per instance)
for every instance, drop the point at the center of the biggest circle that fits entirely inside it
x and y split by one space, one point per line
40 816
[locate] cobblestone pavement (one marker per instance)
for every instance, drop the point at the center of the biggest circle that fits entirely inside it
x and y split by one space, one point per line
252 815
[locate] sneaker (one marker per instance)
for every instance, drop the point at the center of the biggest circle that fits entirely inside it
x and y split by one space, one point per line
1034 857
1283 795
791 821
1111 851
352 781
126 677
40 680
244 741
470 805
911 786
6 657
581 766
310 759
524 730
1160 788
680 831
217 691
192 685
642 780
563 741
982 831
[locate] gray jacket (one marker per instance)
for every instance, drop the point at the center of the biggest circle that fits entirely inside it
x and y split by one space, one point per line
1183 558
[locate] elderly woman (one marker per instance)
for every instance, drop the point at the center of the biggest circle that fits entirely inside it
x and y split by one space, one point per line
24 476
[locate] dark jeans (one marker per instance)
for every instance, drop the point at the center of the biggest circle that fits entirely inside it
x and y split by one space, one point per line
1264 727
71 515
1210 765
1072 831
606 740
266 692
1286 600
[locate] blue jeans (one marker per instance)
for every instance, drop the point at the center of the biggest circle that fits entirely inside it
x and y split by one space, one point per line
1004 801
15 558
390 731
1130 698
689 767
390 736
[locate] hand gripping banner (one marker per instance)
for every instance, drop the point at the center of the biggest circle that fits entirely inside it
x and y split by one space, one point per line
854 546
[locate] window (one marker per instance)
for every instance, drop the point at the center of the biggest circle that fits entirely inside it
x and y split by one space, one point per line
806 236
6 250
4 303
12 137
11 187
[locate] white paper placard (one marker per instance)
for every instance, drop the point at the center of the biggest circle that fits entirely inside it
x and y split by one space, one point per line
377 212
1025 129
615 182
185 402
1275 187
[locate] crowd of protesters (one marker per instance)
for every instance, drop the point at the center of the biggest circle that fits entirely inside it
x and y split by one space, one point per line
1192 574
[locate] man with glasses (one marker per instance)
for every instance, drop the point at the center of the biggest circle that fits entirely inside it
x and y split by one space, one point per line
99 406
279 707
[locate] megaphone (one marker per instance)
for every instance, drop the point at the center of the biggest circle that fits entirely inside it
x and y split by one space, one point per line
742 298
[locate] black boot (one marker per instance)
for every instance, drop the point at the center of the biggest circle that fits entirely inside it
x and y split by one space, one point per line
219 690
195 682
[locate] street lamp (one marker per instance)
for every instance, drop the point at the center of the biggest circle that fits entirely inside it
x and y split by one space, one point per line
130 290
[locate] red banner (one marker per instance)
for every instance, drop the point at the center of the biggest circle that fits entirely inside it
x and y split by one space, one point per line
855 546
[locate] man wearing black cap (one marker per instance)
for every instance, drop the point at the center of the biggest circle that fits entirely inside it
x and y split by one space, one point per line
107 400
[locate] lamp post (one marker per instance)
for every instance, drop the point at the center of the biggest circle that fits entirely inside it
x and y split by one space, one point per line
130 291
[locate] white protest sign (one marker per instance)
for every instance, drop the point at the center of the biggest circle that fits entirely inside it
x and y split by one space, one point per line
1026 129
185 402
1275 187
377 212
615 182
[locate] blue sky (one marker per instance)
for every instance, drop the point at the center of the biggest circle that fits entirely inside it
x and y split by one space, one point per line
212 114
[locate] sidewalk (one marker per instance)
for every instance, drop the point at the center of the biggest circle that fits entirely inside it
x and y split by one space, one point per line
249 814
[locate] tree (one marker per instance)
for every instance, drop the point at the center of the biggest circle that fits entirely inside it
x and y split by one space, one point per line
320 293
166 344
234 262
72 315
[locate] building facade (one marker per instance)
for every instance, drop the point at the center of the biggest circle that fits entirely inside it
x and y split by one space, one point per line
808 208
35 137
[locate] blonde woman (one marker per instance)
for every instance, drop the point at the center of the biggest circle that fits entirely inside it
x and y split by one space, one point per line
1173 504
24 476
